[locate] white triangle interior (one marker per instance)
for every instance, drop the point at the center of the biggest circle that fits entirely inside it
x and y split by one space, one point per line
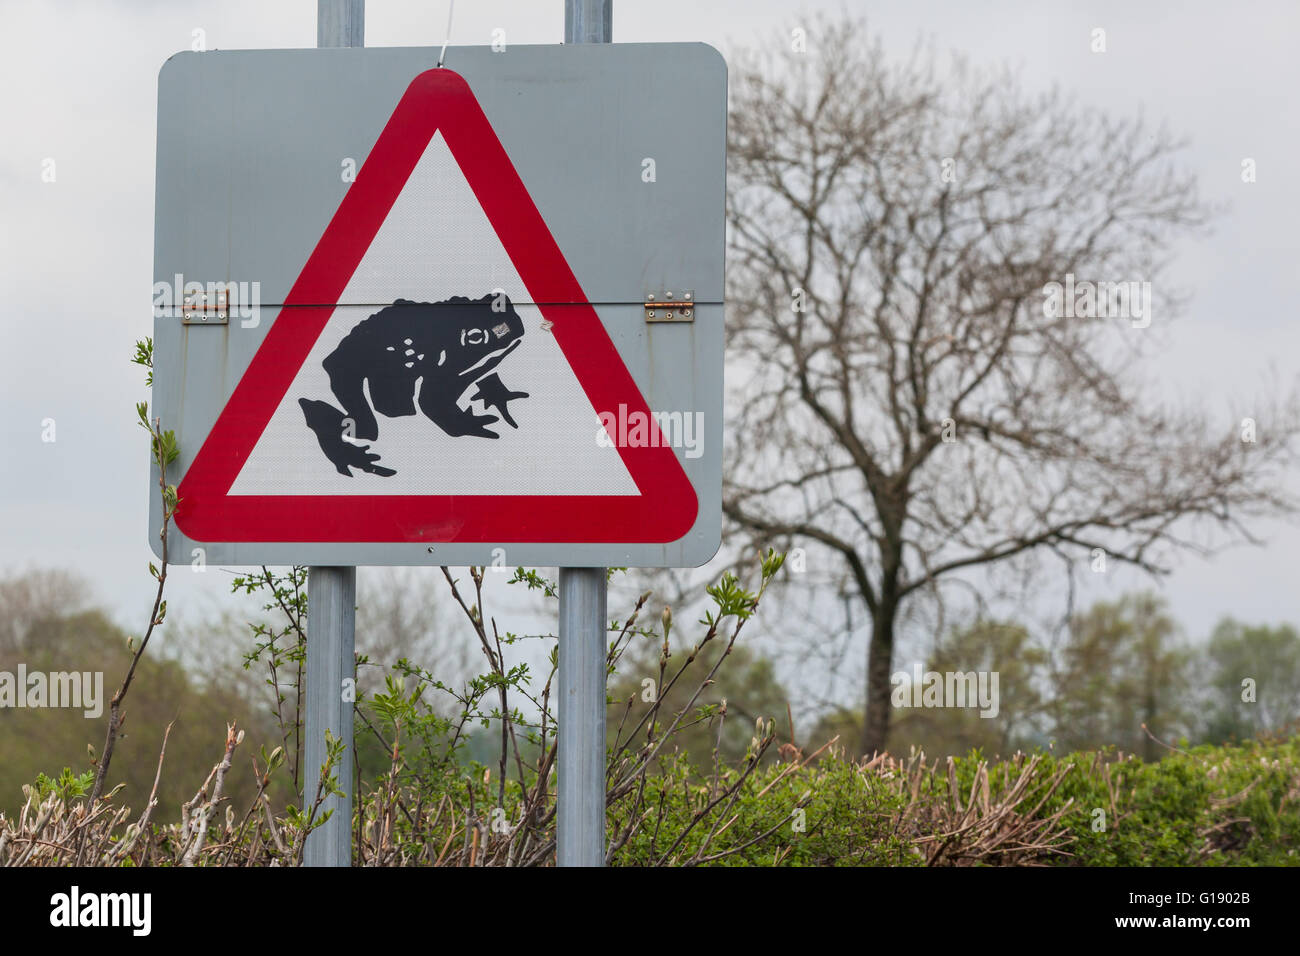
437 233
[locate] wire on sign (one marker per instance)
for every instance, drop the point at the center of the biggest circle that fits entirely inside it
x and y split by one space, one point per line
451 6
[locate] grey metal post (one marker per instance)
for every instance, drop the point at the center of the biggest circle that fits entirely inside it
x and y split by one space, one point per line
331 601
340 23
331 629
580 811
588 21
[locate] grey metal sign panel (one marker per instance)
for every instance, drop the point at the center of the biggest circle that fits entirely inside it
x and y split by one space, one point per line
407 316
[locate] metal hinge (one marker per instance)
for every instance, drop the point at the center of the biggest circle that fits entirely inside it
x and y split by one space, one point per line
202 308
669 307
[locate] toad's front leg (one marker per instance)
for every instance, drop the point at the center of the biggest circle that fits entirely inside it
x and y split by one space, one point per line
453 419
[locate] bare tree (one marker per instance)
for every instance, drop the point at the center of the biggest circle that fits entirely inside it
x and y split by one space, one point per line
904 391
31 596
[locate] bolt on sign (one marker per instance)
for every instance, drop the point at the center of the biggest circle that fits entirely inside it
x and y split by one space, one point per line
442 316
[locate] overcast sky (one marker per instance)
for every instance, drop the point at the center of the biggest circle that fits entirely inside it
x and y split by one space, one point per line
80 88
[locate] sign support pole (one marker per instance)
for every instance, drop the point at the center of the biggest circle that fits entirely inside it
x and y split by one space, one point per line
331 603
580 809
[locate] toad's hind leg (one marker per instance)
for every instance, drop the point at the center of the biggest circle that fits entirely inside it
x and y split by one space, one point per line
345 382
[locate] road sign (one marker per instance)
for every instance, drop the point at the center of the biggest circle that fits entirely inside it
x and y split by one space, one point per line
465 365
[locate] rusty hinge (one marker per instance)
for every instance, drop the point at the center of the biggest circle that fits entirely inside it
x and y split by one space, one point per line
669 307
205 308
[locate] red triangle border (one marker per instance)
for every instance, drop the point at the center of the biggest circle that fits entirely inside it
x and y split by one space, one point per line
667 506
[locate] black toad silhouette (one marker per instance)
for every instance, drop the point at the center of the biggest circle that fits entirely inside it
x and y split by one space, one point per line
417 353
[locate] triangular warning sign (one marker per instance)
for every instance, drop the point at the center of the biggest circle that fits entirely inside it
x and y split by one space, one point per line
441 363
